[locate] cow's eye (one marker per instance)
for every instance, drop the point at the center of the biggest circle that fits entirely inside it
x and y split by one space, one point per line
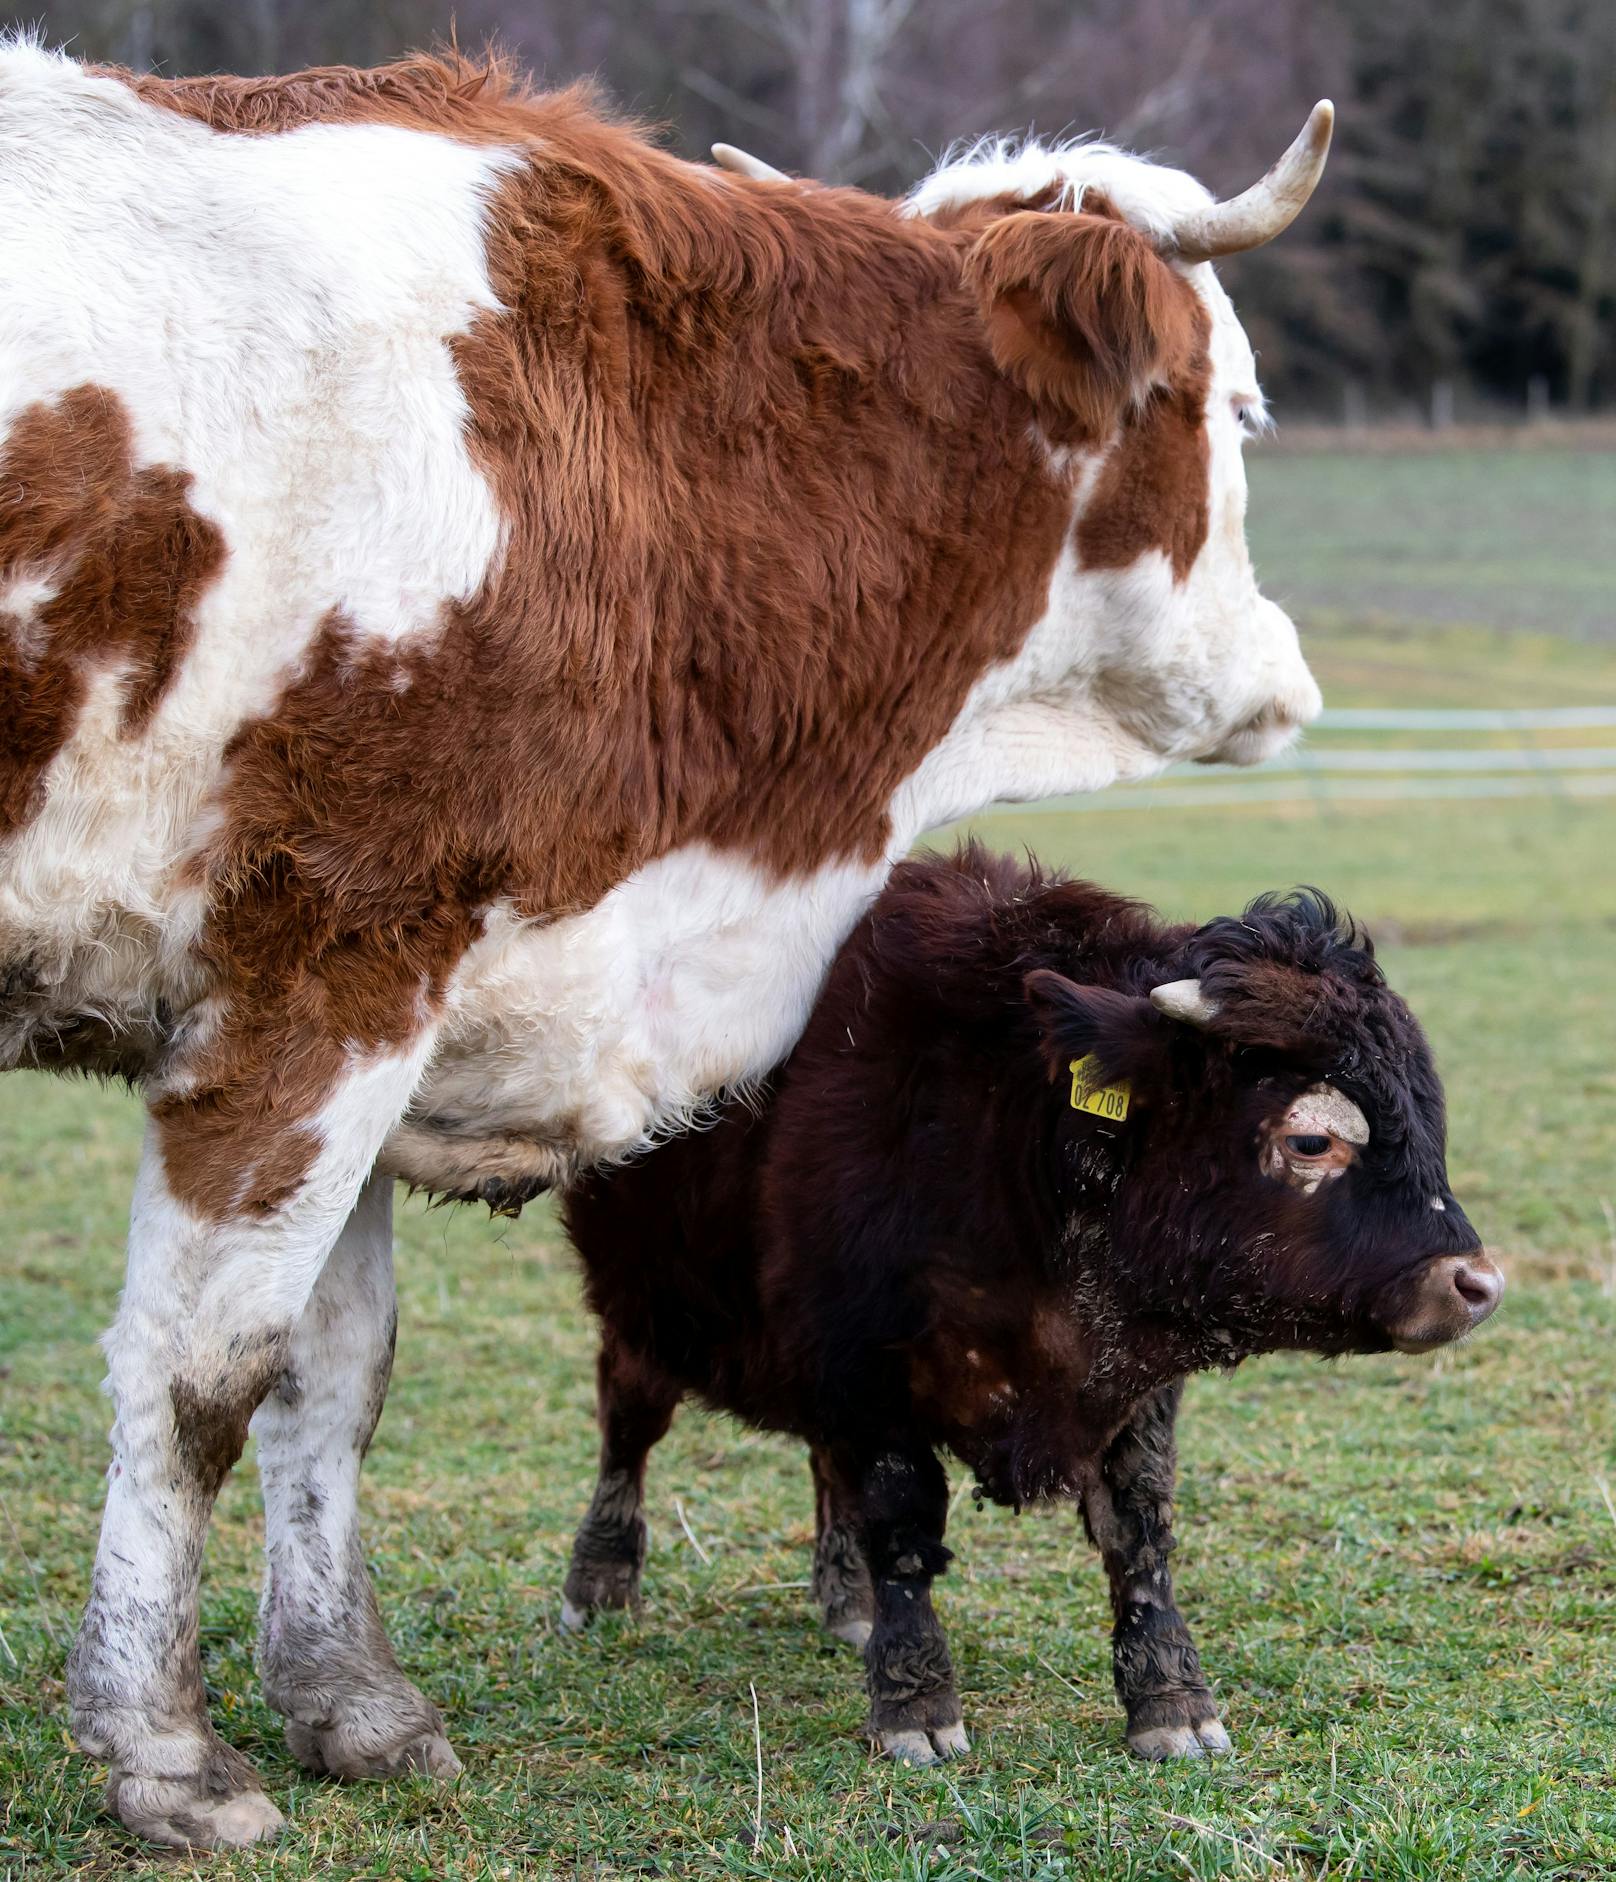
1308 1146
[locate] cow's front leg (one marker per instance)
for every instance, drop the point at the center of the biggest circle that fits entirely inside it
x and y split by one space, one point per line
326 1663
914 1709
1129 1513
635 1403
841 1586
219 1273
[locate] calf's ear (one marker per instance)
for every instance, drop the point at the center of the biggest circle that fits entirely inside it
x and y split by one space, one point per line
1124 1033
1081 311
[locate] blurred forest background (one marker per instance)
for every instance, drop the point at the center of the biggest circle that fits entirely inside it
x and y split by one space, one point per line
1460 260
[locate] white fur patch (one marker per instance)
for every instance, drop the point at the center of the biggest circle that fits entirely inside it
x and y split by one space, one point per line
1149 195
1322 1110
586 1038
274 315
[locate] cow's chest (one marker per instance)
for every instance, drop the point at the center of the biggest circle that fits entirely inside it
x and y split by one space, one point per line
578 1042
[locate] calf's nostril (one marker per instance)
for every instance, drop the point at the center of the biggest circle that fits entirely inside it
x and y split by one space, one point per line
1478 1289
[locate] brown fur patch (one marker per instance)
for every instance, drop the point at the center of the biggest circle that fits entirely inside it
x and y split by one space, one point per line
1154 491
210 1427
128 558
1082 312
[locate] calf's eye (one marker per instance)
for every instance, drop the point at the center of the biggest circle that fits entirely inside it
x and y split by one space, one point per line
1308 1146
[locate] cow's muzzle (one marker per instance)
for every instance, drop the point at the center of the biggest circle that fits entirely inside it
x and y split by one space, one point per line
1443 1300
1271 728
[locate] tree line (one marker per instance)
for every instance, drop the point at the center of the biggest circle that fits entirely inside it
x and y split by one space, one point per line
1464 234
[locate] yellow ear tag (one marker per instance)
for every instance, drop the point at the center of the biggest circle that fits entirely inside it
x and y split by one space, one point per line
1088 1094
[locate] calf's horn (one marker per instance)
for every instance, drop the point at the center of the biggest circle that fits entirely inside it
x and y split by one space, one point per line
1268 208
1183 999
743 163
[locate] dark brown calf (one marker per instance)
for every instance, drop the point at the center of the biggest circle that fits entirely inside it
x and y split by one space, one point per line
1038 1156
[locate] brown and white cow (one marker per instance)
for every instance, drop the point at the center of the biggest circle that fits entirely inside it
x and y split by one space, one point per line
483 603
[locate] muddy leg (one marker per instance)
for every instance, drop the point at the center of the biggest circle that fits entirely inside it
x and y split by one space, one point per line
324 1657
842 1585
635 1403
1129 1514
914 1709
203 1331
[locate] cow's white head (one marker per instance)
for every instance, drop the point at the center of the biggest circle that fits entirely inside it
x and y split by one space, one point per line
1094 272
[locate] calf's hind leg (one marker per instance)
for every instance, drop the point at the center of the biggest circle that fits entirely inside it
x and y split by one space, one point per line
1129 1515
842 1586
324 1657
635 1403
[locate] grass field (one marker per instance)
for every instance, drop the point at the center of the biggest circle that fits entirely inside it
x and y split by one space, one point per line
1512 539
1402 1573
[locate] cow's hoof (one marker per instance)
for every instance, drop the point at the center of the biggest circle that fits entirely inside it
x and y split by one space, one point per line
193 1813
853 1629
376 1740
1159 1742
914 1746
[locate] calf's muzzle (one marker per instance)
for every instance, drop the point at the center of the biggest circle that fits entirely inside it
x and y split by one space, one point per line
1444 1299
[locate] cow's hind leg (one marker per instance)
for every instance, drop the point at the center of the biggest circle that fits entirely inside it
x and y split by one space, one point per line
324 1657
842 1586
914 1708
635 1403
1129 1513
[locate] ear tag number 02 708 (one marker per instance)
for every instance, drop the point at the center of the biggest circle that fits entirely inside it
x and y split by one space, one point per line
1091 1095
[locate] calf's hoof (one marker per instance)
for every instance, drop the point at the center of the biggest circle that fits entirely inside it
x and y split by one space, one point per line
598 1586
379 1735
1157 1743
853 1628
221 1807
913 1745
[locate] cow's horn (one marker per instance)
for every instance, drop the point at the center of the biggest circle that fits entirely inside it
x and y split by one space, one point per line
743 163
1268 208
1183 999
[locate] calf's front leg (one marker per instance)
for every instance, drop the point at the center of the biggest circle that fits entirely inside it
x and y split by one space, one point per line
1129 1516
914 1708
324 1657
635 1402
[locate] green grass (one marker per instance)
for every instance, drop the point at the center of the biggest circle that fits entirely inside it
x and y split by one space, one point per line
1402 1573
1509 539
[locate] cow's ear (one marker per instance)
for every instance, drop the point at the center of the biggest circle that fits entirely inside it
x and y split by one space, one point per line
1124 1033
1081 311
